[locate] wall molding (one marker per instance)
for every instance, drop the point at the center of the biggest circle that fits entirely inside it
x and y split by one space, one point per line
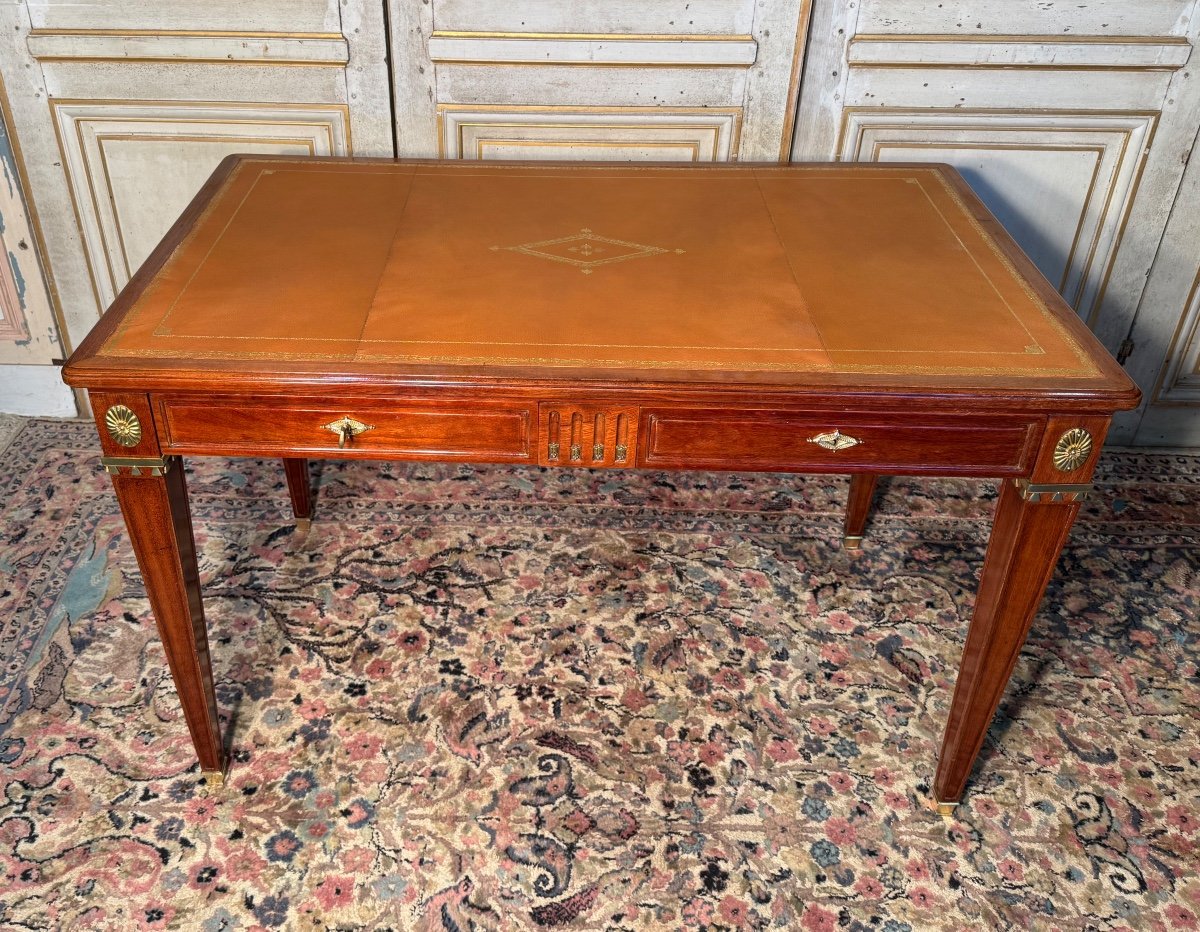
700 134
188 46
1179 382
1074 53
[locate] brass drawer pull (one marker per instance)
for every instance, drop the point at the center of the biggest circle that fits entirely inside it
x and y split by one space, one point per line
835 440
347 428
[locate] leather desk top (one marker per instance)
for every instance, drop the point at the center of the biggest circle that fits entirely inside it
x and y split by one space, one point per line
752 273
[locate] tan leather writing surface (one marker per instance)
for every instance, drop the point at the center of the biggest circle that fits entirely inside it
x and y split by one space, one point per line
742 269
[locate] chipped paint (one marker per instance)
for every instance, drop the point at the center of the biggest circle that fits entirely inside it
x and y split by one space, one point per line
18 279
8 163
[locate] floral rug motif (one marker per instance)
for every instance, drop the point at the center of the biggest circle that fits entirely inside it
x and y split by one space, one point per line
515 699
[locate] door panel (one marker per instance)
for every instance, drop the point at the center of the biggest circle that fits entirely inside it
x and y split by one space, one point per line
679 134
676 81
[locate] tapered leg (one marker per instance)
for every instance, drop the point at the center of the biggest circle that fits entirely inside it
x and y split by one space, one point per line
155 506
1028 534
858 508
299 486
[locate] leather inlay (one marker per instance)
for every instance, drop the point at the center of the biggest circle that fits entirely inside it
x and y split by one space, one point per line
813 268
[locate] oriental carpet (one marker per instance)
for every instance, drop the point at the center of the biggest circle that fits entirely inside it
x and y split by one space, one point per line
509 698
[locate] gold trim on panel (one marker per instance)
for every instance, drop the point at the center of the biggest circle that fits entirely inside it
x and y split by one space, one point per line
1000 39
185 33
590 144
1177 345
1018 38
572 108
493 63
954 66
594 36
1119 237
792 102
735 136
713 129
187 60
1057 325
56 309
299 106
93 280
987 112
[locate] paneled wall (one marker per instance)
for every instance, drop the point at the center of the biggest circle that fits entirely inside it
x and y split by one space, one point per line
678 80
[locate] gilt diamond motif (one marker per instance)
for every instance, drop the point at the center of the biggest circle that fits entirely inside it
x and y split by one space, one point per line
586 250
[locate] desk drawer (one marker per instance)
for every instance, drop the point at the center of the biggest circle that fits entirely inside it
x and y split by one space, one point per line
776 441
480 432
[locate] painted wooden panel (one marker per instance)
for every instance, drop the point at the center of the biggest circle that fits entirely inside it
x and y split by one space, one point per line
712 51
1166 333
294 16
559 85
313 50
1026 17
603 134
594 56
1073 53
1181 377
674 17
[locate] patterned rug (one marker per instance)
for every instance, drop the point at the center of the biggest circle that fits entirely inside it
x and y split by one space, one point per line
508 698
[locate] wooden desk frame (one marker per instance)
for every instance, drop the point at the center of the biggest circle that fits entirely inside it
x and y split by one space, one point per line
1042 443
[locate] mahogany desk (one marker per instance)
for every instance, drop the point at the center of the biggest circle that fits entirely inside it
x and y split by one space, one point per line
859 319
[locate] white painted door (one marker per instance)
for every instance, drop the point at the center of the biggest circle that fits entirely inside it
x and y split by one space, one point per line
675 80
1074 124
124 107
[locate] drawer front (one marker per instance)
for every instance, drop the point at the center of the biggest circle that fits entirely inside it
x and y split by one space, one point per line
801 442
480 432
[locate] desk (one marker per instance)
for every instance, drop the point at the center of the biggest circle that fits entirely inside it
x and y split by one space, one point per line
859 319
